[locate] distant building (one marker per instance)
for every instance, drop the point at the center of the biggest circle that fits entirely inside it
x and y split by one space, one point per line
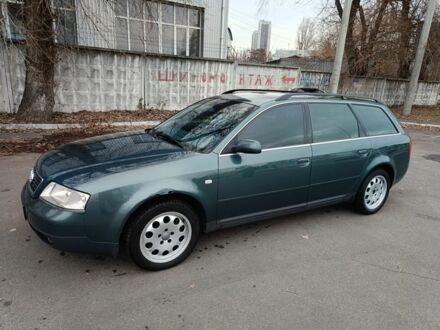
173 27
264 31
281 53
255 41
307 63
261 37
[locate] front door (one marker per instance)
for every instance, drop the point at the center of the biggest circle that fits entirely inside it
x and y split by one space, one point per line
275 179
339 153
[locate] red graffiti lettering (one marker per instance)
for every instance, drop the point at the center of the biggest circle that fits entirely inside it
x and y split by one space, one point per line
171 75
286 79
167 77
250 75
222 78
258 80
183 76
268 80
241 81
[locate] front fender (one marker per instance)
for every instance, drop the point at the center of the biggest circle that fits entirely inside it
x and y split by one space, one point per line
109 209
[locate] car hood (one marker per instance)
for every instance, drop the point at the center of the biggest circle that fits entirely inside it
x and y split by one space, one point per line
105 154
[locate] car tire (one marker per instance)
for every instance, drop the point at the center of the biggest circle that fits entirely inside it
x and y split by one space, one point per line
163 235
373 192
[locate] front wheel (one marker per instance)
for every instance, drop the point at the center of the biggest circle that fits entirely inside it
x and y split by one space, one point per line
373 192
163 235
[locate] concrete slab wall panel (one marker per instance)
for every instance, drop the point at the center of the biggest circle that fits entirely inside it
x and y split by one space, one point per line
98 80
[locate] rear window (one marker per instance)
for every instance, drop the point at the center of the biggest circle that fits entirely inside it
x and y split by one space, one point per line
374 119
331 121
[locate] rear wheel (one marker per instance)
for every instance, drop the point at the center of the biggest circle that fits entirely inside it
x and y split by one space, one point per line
163 235
373 192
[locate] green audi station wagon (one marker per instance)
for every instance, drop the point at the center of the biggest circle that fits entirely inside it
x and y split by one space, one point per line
240 157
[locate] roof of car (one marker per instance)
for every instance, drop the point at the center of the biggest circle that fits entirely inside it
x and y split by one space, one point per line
260 96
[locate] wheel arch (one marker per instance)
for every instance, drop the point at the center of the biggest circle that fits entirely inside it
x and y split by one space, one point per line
386 166
170 195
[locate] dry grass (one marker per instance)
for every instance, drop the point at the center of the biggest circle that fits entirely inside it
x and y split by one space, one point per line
40 141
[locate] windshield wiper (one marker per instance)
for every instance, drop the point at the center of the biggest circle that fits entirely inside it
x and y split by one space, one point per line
208 133
166 138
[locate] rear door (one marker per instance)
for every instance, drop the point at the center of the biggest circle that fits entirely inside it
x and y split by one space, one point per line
339 152
275 179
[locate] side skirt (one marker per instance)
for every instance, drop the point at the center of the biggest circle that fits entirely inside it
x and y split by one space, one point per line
264 215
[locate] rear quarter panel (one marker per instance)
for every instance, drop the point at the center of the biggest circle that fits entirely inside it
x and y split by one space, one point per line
393 150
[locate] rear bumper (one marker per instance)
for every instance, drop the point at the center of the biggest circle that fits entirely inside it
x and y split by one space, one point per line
61 229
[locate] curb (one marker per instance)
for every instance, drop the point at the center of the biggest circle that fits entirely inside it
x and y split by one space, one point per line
419 124
64 126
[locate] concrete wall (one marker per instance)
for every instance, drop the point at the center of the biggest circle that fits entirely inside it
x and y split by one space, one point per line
390 91
98 80
101 80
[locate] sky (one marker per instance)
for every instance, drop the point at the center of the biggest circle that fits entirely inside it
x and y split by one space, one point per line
285 15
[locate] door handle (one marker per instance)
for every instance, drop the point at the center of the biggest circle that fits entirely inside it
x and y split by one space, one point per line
303 162
363 152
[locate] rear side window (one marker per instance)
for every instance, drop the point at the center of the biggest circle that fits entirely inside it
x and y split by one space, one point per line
374 119
278 127
331 121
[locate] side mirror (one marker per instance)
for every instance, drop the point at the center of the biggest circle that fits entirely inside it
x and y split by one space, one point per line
247 147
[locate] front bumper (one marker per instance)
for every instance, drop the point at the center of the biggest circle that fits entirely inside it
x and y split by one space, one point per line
63 230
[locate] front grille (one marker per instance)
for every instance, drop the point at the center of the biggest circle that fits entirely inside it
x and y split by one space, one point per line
35 182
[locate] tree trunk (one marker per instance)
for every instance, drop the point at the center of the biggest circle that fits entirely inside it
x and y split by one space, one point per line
351 51
404 40
40 58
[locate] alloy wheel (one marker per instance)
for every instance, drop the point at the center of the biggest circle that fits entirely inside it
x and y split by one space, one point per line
375 192
165 237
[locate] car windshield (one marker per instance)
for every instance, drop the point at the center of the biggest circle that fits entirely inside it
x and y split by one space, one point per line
201 126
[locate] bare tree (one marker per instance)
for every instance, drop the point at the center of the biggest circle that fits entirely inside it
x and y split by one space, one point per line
306 34
41 54
43 32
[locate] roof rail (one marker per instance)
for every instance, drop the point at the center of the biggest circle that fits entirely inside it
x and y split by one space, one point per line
232 91
328 96
287 94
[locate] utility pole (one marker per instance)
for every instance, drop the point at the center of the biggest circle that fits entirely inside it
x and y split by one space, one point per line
339 57
421 47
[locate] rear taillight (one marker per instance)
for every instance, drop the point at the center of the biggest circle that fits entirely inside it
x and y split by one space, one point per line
410 146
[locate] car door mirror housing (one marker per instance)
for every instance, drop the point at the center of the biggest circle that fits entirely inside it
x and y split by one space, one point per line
247 147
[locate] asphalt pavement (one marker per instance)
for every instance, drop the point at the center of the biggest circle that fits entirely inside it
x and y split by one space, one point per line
324 269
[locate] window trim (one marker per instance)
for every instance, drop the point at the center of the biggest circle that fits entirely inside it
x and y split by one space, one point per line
224 150
310 143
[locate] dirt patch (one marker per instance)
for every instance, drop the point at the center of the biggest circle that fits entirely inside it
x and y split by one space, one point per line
87 117
38 141
420 114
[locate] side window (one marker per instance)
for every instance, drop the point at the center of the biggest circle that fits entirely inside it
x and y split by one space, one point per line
278 127
374 119
332 121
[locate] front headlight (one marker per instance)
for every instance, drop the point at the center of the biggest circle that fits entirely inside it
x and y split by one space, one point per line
64 197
